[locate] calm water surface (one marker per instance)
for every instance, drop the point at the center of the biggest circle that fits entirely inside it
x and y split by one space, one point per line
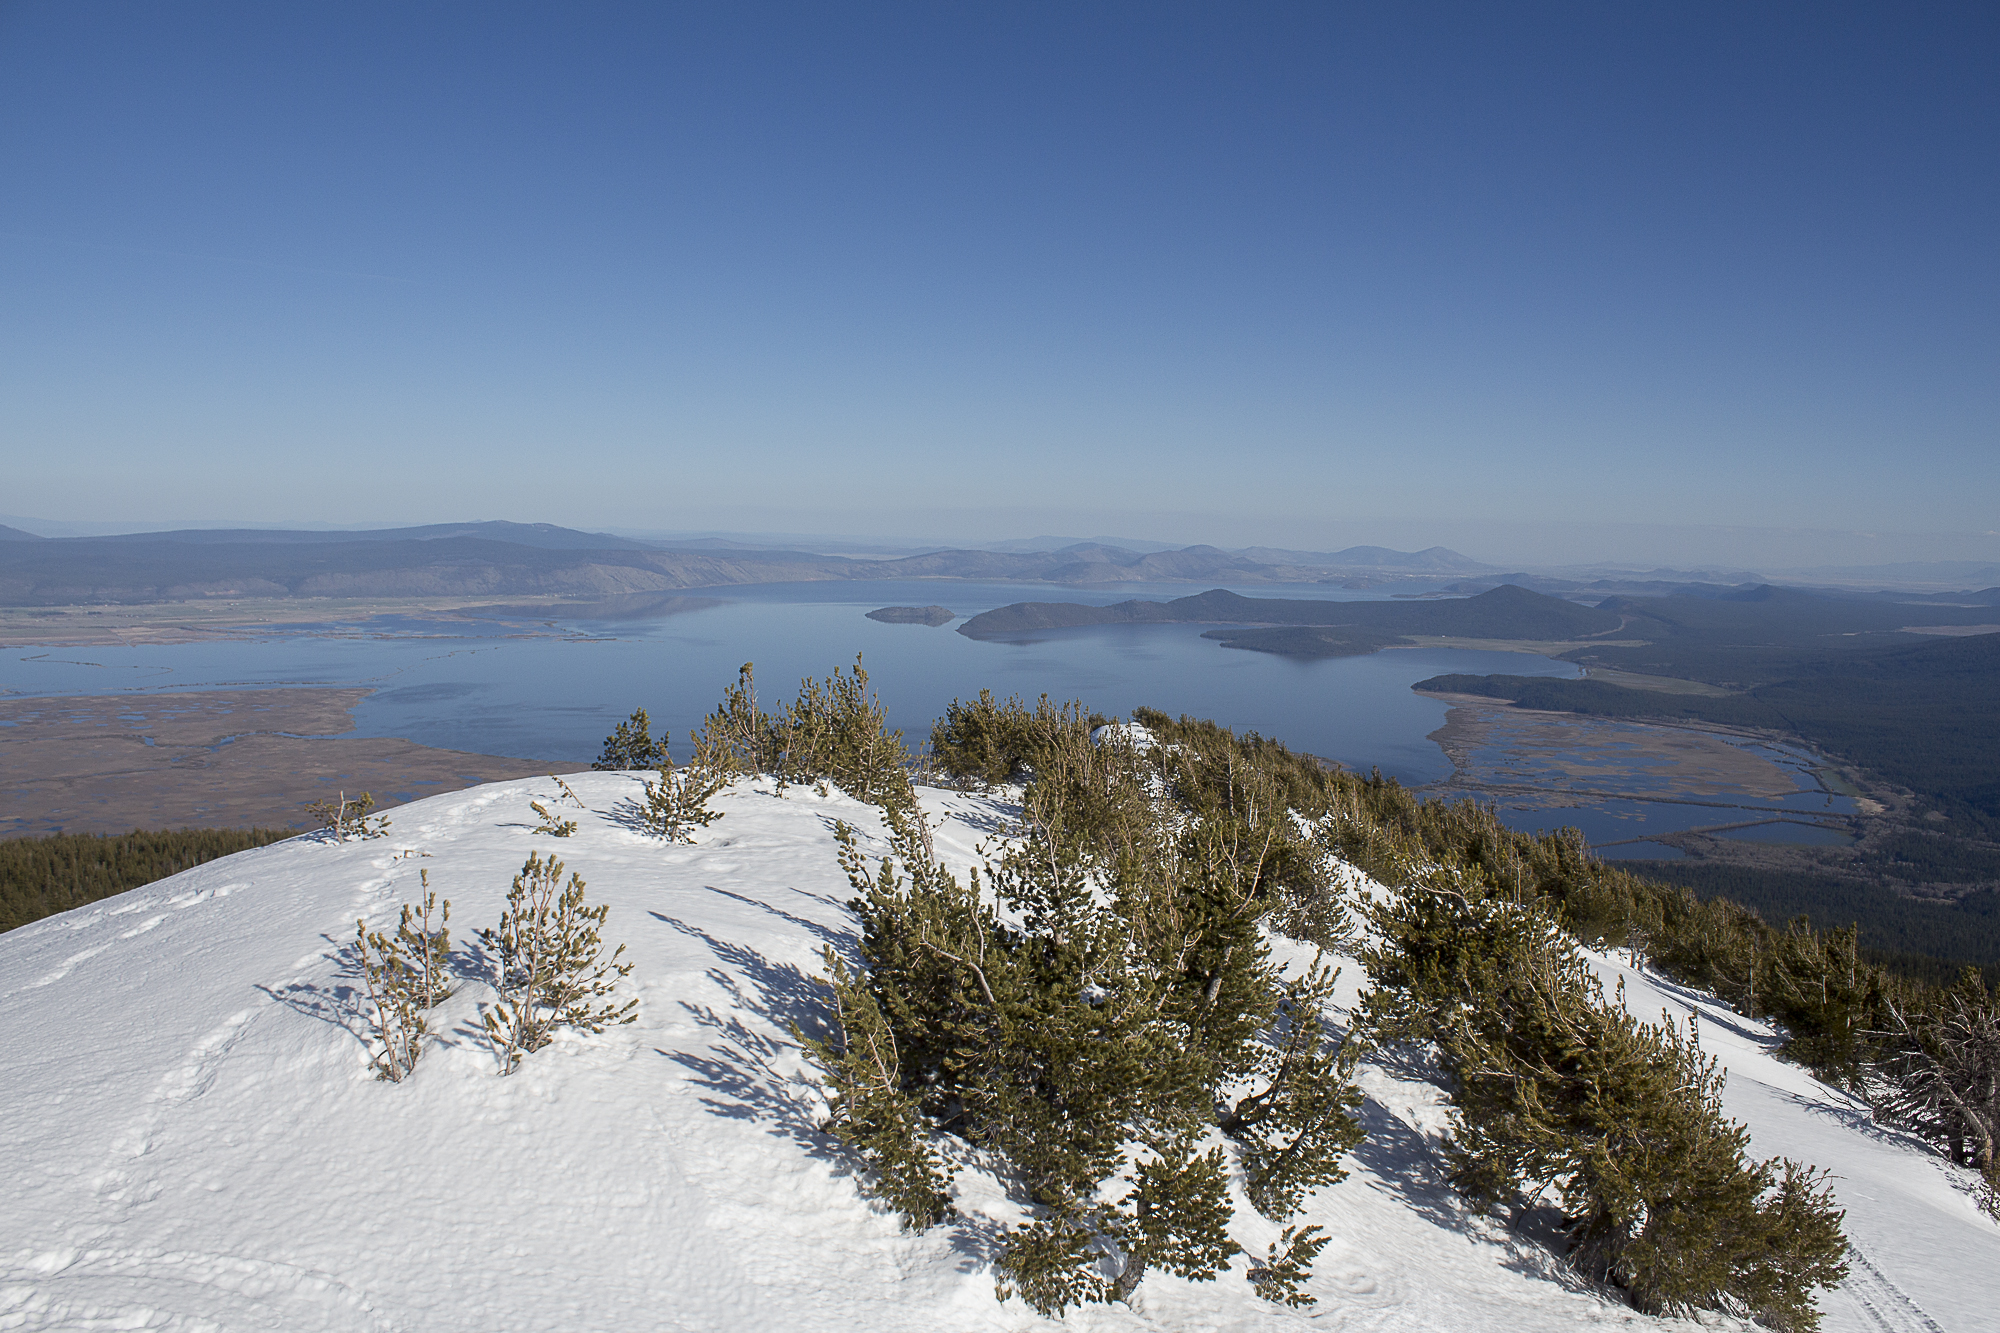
552 689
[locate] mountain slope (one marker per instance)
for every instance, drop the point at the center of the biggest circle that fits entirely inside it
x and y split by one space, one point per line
196 1142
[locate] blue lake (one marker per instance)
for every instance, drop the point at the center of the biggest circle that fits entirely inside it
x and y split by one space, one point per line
539 689
551 690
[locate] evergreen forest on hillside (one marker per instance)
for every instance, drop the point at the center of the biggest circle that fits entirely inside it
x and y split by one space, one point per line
42 876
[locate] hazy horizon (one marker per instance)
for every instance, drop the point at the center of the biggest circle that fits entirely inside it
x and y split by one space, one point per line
1548 283
1545 546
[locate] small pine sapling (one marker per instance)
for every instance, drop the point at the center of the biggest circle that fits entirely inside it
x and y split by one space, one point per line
406 974
549 965
1287 1265
429 947
677 804
350 819
398 1020
568 792
551 825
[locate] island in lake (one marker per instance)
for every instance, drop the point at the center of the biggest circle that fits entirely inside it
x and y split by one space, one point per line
914 615
1315 628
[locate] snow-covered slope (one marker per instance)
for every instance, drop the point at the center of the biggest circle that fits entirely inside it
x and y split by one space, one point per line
193 1139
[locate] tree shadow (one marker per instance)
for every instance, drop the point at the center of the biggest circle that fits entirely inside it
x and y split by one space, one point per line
340 1002
1709 1010
741 1066
843 942
1859 1118
629 815
1407 1166
1416 1062
977 1240
1404 1163
743 1080
1000 822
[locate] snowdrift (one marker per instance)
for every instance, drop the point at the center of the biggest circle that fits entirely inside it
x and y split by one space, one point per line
194 1139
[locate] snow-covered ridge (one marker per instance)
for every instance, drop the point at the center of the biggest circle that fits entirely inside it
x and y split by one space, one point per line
195 1141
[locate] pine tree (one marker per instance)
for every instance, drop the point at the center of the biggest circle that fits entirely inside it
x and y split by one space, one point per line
632 746
1622 1120
406 975
345 818
1295 1129
1087 1046
549 968
551 823
677 802
1943 1069
871 1110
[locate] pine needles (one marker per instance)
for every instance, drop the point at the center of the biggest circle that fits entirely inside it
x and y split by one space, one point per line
407 975
549 968
1086 1040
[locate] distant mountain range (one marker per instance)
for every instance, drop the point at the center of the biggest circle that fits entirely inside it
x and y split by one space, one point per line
515 560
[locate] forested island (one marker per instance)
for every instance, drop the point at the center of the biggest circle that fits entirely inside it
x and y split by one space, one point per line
1334 629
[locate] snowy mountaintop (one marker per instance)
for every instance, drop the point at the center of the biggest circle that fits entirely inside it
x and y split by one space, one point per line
196 1140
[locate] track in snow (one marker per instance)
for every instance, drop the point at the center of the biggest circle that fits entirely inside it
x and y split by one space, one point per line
1887 1305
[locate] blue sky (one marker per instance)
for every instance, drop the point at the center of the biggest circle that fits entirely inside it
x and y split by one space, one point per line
1296 274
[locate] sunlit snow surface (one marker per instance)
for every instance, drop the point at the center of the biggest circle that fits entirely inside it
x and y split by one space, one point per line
193 1139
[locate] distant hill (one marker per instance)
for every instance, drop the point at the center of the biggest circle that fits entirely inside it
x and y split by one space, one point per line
8 534
1503 613
546 536
1431 560
1984 597
1032 545
531 560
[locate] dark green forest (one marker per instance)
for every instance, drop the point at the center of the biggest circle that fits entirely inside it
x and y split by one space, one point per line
1925 941
42 876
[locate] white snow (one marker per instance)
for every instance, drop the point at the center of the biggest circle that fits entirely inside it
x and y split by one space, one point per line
193 1139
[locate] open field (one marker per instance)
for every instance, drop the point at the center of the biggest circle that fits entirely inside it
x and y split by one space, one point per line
213 759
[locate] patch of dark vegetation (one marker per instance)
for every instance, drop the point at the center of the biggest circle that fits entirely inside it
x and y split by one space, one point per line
1474 953
1924 941
42 876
